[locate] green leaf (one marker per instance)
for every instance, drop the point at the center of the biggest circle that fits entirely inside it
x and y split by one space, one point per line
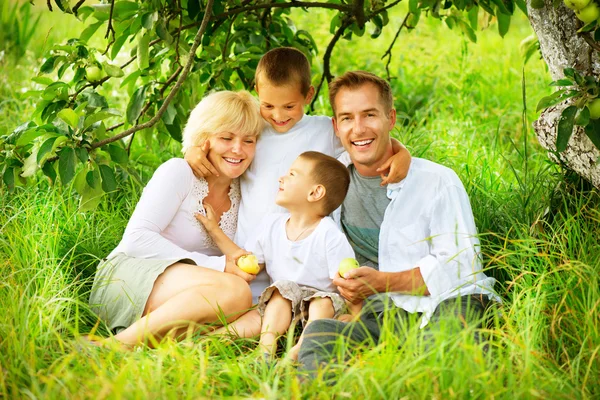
109 183
125 9
48 170
193 8
66 165
467 30
112 70
90 197
69 116
90 178
413 6
597 35
592 130
99 116
143 52
42 80
48 65
565 128
82 154
148 20
569 72
89 31
9 178
583 116
550 100
562 82
118 44
169 114
45 148
136 103
503 23
117 154
473 17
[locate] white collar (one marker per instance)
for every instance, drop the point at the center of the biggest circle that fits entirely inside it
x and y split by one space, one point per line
345 159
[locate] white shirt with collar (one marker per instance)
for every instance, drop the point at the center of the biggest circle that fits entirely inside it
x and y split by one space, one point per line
429 224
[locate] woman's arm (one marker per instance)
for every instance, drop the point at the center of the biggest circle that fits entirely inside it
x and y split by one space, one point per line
160 201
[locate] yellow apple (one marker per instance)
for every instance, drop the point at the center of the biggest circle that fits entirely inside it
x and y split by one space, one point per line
588 14
594 107
576 4
346 265
248 264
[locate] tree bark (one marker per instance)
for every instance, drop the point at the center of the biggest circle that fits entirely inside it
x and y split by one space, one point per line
562 47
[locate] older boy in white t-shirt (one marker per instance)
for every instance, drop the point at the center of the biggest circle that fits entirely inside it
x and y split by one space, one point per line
301 249
283 84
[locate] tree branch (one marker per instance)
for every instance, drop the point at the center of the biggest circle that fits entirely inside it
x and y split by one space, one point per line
76 8
382 9
358 9
180 80
326 59
388 52
110 28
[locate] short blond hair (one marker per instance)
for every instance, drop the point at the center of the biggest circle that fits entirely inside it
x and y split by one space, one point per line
223 111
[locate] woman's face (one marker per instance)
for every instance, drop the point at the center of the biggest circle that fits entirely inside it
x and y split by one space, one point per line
231 153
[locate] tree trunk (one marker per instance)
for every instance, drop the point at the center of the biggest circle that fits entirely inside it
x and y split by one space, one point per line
561 48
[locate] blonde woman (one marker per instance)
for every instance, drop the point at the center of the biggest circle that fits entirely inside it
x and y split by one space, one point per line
167 275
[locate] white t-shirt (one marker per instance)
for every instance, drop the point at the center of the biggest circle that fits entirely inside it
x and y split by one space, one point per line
163 225
312 261
275 153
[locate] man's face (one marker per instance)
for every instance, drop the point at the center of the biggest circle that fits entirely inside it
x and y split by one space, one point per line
363 124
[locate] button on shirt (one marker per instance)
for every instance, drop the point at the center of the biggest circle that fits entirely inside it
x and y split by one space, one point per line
429 224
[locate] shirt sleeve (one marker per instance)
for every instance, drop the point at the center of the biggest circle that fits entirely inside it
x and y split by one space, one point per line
453 260
160 201
338 248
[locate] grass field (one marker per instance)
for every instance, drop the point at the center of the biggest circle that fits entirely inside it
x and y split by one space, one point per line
462 106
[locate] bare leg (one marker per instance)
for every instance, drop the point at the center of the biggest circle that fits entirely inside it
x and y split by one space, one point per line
318 308
185 295
353 312
246 326
277 319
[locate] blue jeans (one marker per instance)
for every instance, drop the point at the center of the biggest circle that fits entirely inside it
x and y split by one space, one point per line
321 336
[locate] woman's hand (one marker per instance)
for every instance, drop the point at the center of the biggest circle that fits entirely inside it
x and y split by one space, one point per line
197 158
232 268
209 221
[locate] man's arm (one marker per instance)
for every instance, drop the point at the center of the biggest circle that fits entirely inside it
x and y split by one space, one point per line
362 282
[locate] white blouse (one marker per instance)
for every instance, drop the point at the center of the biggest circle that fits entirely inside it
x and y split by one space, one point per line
163 225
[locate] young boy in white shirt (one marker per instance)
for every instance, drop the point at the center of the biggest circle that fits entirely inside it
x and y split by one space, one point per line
283 84
301 249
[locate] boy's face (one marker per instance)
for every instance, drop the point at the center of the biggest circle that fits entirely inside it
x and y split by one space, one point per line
296 185
363 124
282 106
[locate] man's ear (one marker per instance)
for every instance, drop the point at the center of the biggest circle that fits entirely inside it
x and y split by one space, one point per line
392 118
317 193
309 94
335 128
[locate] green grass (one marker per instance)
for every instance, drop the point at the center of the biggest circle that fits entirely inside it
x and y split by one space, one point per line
464 108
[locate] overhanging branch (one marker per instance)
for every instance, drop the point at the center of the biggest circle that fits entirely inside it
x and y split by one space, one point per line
173 92
388 52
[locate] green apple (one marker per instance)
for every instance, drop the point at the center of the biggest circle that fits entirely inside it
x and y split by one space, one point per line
588 14
93 73
346 265
249 264
594 107
576 5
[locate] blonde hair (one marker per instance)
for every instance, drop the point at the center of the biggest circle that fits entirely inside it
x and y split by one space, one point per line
223 111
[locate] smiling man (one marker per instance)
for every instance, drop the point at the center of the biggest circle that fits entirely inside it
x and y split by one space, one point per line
415 240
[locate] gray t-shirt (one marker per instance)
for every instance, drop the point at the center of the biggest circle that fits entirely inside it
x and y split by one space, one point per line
362 215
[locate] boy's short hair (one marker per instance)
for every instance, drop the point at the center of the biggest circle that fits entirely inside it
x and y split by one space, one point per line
355 79
333 175
223 111
284 66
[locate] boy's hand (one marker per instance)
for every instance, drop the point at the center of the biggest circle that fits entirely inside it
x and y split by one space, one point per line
198 161
232 268
396 167
210 220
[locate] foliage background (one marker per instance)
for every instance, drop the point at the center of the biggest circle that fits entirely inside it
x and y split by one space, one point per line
463 106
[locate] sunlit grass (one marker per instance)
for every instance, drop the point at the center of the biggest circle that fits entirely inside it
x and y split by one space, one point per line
463 107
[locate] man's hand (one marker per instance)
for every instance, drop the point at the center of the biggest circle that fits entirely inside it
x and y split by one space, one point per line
395 168
360 283
232 268
210 220
198 161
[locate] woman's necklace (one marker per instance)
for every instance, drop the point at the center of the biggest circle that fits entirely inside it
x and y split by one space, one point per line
216 209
